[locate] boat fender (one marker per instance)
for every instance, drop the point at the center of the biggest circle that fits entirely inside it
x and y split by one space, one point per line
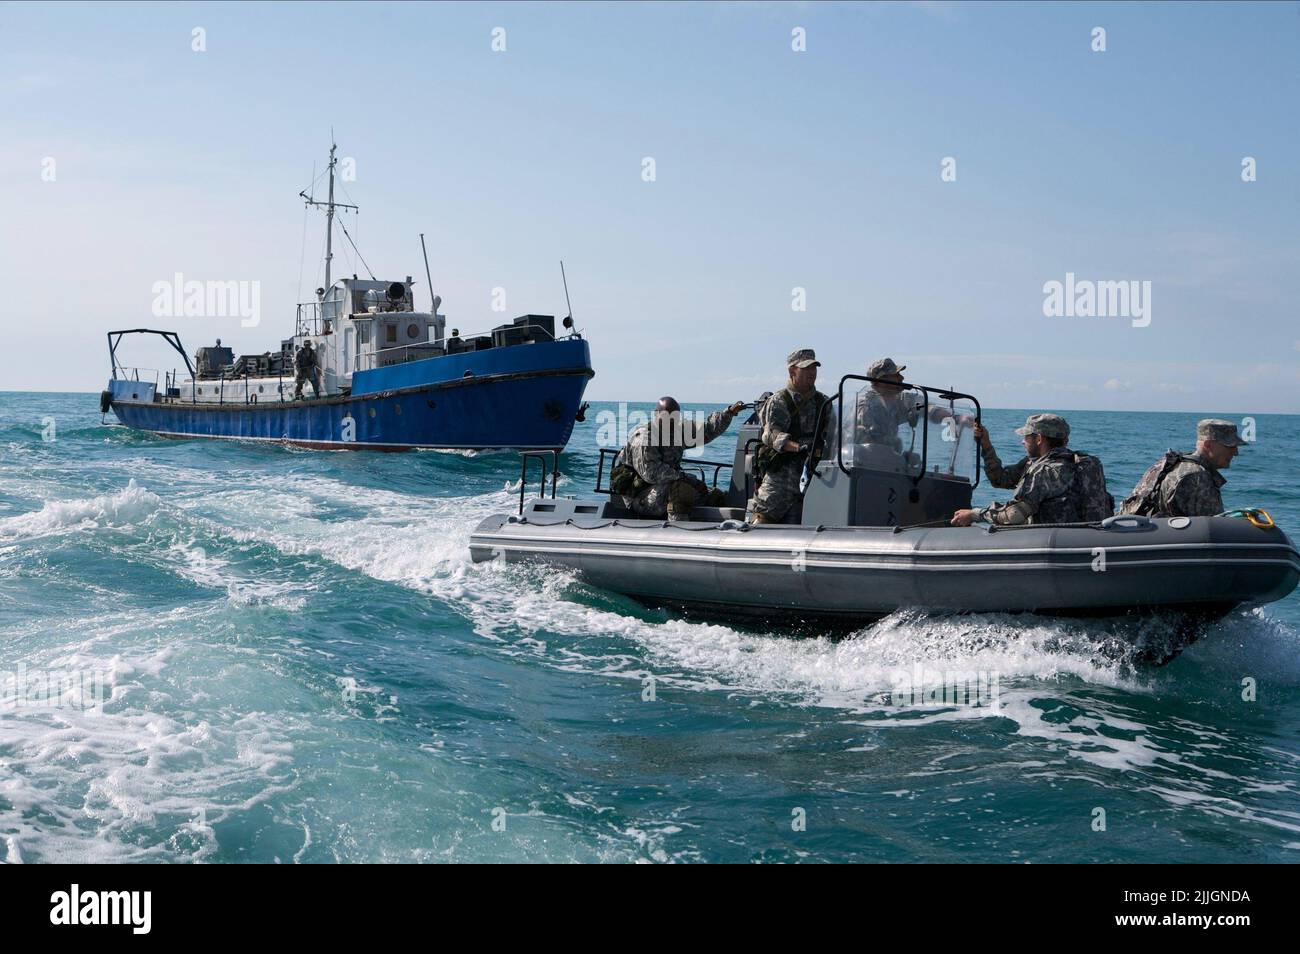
1128 523
105 401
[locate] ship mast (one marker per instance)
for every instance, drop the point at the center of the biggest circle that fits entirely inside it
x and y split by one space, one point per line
329 207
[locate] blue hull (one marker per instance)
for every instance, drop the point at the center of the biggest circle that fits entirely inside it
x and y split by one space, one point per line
522 396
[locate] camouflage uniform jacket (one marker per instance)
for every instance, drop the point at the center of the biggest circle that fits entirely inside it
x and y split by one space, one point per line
1043 494
1190 489
659 462
778 424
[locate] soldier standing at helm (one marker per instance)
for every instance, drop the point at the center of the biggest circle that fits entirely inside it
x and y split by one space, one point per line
308 369
789 420
649 475
1187 485
1056 484
886 405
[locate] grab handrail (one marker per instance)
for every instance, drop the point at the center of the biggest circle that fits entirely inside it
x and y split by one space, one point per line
540 456
699 463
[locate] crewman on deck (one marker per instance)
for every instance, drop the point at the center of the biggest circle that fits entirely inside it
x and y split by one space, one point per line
308 369
649 475
789 438
1188 485
1055 483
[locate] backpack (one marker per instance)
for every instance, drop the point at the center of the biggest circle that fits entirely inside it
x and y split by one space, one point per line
1091 499
1151 499
625 481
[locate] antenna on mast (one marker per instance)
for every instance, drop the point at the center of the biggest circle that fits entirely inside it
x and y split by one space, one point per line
330 206
433 300
568 319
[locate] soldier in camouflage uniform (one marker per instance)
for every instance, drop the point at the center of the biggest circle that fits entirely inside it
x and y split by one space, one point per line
1187 485
886 406
308 367
654 452
1051 487
789 419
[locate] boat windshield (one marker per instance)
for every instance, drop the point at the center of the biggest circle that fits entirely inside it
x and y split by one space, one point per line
882 432
885 428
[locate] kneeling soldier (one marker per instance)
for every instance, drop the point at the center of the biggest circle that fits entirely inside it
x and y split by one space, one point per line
1187 485
649 475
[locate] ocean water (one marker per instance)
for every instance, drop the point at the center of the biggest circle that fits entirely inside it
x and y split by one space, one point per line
255 653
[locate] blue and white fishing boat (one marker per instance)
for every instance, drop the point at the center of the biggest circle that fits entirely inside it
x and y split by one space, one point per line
390 377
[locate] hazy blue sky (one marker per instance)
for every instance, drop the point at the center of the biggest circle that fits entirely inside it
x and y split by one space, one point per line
775 169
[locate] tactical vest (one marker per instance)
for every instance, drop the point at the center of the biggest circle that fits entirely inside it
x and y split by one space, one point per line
768 460
1150 501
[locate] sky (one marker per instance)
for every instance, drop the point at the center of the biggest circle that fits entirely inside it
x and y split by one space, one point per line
915 176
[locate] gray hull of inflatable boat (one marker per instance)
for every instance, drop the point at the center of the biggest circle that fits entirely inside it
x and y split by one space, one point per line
1210 563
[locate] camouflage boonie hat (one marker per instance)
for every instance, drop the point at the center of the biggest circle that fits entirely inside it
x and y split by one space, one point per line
883 366
803 358
1049 425
1215 429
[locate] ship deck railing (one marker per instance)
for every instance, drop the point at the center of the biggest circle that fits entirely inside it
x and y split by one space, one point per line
133 374
173 393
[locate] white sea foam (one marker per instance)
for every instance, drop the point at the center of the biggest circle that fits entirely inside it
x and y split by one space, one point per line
133 772
130 505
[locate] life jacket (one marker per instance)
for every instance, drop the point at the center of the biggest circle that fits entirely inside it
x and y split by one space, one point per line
1150 500
766 459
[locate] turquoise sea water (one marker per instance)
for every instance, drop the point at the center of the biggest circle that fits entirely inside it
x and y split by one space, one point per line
299 663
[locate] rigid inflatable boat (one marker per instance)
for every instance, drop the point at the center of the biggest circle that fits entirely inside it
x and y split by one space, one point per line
874 539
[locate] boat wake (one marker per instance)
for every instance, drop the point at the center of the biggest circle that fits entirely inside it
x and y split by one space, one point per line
1066 698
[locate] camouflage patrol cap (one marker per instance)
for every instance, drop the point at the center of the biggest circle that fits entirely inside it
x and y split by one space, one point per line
1220 431
803 358
884 366
1049 425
